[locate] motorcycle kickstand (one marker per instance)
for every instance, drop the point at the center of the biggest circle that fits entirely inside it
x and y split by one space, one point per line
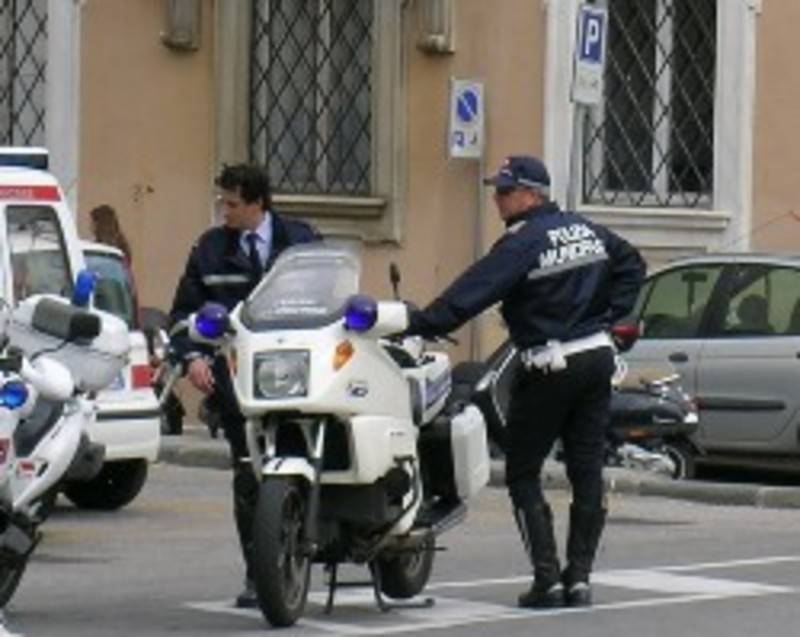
333 582
383 605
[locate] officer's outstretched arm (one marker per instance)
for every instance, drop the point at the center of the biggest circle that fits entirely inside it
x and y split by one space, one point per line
485 283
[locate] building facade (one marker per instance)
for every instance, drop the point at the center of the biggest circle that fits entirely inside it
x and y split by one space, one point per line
347 102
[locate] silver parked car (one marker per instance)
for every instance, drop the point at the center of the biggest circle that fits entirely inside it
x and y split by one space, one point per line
730 325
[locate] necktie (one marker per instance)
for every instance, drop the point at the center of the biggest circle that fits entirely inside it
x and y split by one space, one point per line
252 253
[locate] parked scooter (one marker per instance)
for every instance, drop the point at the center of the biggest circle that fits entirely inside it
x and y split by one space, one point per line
52 353
652 421
653 424
359 457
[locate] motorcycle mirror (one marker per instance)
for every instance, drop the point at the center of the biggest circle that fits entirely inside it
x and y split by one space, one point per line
625 335
394 277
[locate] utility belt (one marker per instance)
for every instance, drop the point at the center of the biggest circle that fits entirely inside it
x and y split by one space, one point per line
552 356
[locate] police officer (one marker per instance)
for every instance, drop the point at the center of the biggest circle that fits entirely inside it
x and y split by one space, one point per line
224 266
562 281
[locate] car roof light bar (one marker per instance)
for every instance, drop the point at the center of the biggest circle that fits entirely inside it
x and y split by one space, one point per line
25 157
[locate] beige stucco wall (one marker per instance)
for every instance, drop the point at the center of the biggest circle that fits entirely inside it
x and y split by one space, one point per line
147 139
146 135
504 49
776 156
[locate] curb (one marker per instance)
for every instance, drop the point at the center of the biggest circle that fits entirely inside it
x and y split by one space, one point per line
622 481
213 454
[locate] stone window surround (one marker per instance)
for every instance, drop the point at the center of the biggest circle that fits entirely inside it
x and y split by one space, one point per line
371 219
666 232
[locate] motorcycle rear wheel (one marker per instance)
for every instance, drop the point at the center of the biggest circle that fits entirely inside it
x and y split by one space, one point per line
281 565
404 575
10 576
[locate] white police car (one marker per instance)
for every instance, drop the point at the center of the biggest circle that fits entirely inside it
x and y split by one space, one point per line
41 252
128 419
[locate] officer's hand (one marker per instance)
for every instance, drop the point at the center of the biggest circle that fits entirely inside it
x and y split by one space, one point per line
199 374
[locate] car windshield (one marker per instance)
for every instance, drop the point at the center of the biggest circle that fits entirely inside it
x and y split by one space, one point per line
38 252
114 291
307 287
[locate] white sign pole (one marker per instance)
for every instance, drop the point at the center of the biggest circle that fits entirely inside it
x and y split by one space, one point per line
465 140
587 84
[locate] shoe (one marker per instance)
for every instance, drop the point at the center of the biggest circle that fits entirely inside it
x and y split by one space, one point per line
578 594
542 596
247 598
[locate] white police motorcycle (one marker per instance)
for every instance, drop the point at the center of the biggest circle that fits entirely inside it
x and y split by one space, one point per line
52 352
360 456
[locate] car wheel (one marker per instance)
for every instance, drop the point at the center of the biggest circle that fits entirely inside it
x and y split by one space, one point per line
117 484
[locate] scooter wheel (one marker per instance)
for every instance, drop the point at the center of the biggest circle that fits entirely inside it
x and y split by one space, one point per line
682 457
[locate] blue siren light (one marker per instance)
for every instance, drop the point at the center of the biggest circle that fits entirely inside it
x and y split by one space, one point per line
13 394
360 313
85 283
211 321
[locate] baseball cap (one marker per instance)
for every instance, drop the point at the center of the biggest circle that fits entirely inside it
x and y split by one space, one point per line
521 171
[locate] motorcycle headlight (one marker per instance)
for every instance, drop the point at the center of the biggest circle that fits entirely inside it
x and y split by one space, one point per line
281 374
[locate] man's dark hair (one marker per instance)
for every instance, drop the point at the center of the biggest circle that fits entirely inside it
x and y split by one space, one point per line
250 180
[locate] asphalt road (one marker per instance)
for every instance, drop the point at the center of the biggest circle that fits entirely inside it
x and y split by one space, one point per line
168 565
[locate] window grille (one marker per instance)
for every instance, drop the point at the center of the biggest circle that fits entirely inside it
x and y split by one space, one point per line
651 141
311 94
23 62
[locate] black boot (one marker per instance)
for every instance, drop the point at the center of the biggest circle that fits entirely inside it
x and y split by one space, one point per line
585 528
248 597
536 528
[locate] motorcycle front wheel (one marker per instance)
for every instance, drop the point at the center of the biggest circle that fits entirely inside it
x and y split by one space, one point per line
281 563
11 572
405 574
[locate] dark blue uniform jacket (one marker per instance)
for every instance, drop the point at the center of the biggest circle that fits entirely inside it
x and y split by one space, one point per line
218 270
557 274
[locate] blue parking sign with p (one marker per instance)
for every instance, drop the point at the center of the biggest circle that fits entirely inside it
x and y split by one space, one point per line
592 33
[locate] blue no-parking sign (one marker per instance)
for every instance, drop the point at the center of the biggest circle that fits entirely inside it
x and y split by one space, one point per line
590 55
465 135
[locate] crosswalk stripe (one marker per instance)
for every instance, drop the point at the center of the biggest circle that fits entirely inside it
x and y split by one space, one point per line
670 584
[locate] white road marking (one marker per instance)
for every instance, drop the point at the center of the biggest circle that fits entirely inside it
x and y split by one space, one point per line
705 566
355 612
662 582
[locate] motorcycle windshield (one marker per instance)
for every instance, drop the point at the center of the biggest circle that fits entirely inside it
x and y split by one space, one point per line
306 287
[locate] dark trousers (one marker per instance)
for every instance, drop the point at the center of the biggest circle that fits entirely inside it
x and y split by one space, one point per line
245 484
571 404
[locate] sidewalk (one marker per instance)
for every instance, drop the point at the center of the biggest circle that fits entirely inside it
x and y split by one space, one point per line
195 448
